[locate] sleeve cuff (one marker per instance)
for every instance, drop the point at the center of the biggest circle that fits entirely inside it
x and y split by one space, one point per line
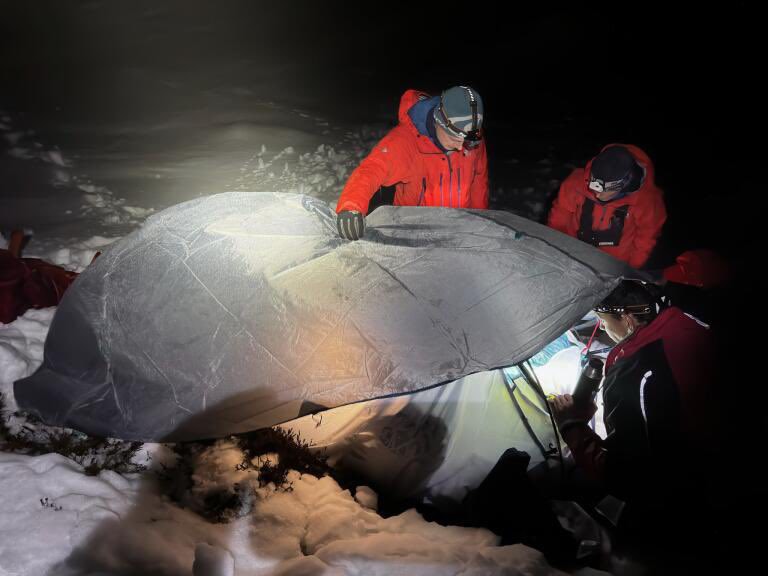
568 424
348 205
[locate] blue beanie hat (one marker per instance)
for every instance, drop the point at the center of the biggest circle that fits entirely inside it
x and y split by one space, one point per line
460 109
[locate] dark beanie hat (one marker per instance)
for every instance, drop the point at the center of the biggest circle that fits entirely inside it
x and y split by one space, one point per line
613 164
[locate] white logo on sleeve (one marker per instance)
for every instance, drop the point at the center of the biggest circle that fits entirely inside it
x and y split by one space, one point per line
643 382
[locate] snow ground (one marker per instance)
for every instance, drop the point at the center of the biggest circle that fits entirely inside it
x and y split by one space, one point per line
56 520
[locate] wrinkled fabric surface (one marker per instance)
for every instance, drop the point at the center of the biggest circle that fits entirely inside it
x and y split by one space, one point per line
243 310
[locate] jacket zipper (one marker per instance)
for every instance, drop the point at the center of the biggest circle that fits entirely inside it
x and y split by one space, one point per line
458 175
602 217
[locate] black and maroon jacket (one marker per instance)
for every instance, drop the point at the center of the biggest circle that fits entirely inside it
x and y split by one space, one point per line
659 413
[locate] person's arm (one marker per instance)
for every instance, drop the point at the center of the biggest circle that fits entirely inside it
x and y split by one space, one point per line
387 164
616 463
649 221
478 192
565 206
587 447
647 454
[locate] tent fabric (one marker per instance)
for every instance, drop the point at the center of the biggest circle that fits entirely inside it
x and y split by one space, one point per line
436 444
238 311
439 444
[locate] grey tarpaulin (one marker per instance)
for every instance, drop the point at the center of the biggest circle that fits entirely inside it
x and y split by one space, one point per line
242 310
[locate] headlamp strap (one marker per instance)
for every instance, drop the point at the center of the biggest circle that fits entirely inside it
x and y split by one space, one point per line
473 107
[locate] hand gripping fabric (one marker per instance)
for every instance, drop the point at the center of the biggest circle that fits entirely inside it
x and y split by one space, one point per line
351 224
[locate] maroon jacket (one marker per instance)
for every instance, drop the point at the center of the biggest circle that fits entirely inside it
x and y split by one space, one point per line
29 283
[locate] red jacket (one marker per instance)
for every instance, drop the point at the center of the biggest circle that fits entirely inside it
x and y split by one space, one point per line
645 217
422 174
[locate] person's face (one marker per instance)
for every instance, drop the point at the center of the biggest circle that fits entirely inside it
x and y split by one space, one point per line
606 195
448 141
617 326
605 191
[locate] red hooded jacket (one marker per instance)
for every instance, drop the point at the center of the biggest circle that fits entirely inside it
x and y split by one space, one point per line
644 220
423 175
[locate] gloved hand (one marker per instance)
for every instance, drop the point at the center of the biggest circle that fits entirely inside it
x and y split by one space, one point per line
351 224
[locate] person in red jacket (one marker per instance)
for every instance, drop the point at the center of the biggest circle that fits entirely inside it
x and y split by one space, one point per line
613 203
435 156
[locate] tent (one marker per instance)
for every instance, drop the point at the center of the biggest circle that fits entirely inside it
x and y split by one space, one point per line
440 443
238 311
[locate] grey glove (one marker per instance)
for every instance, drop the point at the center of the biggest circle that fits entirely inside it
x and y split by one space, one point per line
351 224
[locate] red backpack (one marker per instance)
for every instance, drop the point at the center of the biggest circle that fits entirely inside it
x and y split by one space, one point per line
702 268
28 282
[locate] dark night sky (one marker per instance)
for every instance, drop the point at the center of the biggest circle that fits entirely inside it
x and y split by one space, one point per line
569 78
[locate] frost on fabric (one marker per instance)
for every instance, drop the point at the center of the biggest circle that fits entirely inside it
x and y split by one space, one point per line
239 311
